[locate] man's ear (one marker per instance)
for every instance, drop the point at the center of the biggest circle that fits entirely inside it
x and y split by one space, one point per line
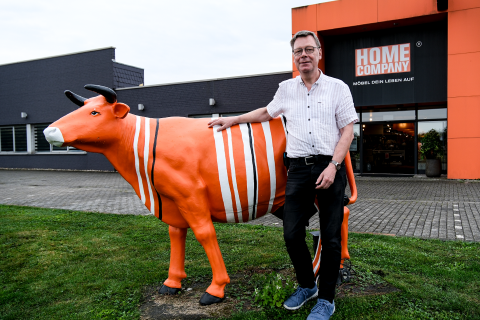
121 110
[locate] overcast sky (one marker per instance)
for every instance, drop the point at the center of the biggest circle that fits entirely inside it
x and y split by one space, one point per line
171 40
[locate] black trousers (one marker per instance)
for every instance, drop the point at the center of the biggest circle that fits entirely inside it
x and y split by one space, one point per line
300 193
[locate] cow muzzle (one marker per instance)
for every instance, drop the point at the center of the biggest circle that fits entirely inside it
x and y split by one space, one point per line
54 136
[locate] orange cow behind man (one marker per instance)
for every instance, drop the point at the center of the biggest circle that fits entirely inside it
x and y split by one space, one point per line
186 174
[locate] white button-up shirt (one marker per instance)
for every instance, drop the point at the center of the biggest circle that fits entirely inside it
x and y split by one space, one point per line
315 117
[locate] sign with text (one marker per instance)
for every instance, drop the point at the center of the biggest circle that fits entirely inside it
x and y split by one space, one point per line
401 65
382 60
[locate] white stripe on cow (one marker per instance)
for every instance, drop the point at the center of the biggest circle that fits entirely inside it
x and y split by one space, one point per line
146 156
249 169
234 176
271 163
255 171
223 173
319 254
137 161
319 250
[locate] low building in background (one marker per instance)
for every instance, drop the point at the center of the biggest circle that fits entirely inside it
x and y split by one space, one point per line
31 97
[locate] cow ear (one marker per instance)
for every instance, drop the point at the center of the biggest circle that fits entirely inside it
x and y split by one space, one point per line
121 110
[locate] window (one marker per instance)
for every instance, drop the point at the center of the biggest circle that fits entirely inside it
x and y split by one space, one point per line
441 128
374 115
28 139
42 145
434 113
355 148
13 139
216 115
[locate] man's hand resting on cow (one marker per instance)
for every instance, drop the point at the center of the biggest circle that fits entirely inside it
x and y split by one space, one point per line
258 115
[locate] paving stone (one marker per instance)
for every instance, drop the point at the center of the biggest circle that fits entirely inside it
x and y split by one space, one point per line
426 208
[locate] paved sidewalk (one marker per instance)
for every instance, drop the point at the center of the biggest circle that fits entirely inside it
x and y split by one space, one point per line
418 207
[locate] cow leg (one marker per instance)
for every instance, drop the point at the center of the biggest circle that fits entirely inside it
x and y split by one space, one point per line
206 235
176 272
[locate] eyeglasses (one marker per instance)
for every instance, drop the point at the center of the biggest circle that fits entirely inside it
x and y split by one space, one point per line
299 51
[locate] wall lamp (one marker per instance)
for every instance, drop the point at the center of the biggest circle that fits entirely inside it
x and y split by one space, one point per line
211 101
24 115
141 107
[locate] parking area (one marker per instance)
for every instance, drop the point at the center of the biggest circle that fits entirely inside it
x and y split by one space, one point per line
418 206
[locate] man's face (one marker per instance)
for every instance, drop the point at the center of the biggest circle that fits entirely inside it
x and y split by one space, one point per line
307 63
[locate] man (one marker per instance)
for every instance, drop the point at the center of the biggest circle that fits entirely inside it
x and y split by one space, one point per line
320 116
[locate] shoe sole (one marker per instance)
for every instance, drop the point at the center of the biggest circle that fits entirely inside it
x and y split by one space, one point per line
298 307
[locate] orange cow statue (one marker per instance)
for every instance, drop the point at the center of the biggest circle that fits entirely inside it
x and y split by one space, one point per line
186 174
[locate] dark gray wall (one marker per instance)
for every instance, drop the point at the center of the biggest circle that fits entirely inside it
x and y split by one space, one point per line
127 76
186 99
36 87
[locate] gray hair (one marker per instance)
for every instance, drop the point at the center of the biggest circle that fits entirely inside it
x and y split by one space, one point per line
304 33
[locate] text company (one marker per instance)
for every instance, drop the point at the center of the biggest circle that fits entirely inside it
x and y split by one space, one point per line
382 60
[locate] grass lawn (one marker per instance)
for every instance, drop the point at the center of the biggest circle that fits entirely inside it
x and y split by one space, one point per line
60 264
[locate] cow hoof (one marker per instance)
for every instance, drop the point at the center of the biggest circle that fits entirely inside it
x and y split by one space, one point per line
208 299
168 291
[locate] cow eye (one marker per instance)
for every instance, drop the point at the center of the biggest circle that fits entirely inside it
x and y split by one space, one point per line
94 113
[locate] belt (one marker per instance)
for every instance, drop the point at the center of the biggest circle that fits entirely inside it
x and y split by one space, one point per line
310 160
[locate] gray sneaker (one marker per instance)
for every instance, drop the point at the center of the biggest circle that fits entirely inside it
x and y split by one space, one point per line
323 310
299 297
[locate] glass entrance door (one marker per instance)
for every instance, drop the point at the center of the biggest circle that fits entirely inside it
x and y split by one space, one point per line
389 147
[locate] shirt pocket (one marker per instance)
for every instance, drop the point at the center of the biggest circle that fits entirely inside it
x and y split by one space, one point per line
324 114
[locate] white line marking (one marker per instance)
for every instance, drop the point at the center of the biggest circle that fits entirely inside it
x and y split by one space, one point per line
137 161
248 166
271 163
319 253
234 177
256 171
223 174
146 155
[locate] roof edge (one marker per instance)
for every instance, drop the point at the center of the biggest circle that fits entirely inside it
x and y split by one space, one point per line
60 55
204 80
128 65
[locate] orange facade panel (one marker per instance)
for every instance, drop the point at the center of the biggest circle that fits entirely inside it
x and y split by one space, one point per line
345 13
463 115
304 18
454 5
464 31
463 157
396 10
464 74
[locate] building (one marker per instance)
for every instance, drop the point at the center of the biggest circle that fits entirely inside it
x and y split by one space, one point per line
31 98
411 66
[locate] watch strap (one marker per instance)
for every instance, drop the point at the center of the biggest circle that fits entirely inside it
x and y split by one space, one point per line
336 164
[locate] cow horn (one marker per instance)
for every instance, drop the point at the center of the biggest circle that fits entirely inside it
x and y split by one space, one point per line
109 94
75 98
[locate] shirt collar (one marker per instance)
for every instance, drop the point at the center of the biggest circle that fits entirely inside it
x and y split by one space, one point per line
300 81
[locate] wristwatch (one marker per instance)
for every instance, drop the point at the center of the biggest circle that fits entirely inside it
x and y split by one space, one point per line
336 164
